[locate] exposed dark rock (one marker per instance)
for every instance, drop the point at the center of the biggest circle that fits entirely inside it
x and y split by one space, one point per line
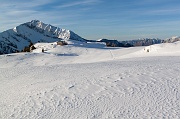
61 43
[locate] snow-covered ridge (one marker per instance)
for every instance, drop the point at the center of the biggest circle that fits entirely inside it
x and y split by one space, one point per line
53 31
48 29
16 39
172 39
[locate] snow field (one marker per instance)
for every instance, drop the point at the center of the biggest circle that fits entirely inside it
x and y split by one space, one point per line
77 82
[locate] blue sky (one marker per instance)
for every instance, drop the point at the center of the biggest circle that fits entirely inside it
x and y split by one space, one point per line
95 19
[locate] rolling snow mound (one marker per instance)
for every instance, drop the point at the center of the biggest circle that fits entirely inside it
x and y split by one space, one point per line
90 81
164 48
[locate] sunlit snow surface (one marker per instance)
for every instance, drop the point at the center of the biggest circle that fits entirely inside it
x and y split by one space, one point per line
91 81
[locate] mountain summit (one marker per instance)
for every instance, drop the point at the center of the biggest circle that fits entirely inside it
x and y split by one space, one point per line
16 39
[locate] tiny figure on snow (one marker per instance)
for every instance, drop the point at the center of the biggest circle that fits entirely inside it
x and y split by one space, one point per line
42 49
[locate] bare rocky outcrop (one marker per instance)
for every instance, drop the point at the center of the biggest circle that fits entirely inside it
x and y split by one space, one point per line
61 43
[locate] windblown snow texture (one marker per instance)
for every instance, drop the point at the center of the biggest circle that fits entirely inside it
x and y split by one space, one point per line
90 81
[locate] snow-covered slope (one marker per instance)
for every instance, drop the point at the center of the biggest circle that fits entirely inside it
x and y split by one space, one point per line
164 49
35 31
84 52
90 81
172 39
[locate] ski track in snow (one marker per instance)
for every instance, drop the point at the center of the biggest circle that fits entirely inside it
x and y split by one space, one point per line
141 88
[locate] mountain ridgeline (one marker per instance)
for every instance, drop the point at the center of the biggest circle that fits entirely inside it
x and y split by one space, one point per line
24 35
16 39
139 42
131 43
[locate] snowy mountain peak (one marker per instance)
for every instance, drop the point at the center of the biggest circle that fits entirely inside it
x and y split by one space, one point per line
18 38
53 31
49 30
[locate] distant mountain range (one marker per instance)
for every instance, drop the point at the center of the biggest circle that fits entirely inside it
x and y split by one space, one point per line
16 39
138 42
131 43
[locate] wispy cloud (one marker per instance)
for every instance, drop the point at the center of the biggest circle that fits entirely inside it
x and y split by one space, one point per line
95 17
76 3
21 4
164 11
13 13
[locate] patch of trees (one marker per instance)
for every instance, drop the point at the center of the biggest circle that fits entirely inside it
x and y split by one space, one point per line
29 48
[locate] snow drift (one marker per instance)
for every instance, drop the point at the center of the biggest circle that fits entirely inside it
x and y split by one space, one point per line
88 80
